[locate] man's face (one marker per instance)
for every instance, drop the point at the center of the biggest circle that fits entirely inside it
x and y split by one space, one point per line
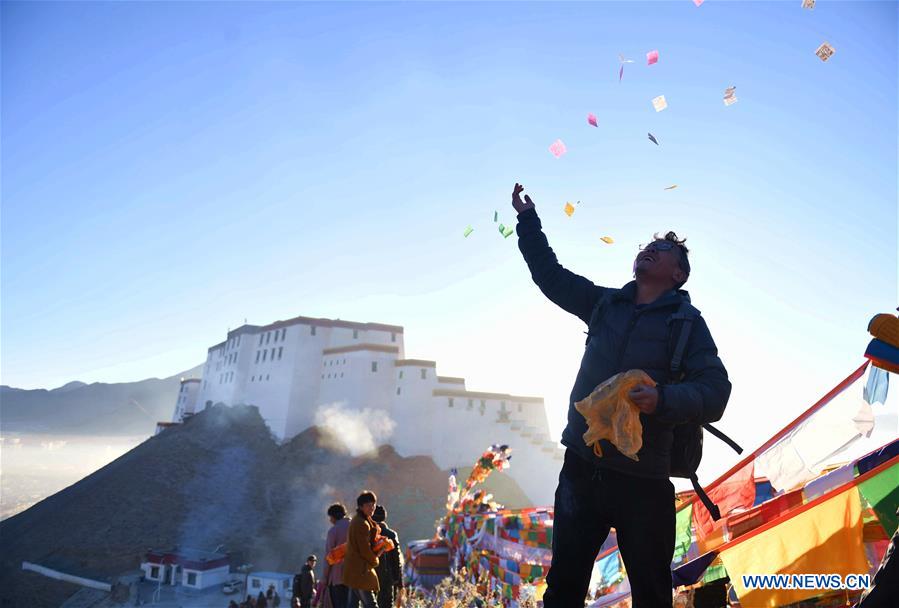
368 508
659 261
311 563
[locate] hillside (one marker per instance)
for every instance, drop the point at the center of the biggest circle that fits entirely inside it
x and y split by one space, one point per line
219 479
127 408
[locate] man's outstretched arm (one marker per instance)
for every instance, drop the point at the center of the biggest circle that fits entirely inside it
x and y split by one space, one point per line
569 291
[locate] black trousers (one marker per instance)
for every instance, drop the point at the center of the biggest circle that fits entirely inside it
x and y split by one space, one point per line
386 596
588 503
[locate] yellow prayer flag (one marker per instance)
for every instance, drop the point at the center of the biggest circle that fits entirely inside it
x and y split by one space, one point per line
569 209
826 539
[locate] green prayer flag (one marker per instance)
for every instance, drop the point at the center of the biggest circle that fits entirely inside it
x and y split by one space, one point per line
882 492
683 533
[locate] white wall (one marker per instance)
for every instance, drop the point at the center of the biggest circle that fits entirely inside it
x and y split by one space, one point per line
207 578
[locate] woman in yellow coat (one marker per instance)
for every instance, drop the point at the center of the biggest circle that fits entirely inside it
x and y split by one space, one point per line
360 561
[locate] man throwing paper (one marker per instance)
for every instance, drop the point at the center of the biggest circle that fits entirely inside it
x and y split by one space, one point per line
627 329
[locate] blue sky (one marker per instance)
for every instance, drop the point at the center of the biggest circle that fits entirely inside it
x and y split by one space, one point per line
170 169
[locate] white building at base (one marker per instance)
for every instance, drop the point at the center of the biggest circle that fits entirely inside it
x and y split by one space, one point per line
289 369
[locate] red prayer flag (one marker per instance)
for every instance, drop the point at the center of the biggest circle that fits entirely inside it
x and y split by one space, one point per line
736 491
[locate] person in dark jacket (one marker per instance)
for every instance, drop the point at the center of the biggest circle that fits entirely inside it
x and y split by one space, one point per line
304 584
261 601
630 330
390 567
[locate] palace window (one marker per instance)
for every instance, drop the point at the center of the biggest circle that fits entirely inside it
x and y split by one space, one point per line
451 402
398 389
261 338
401 374
313 329
355 334
265 352
258 352
424 373
192 579
393 337
470 404
374 366
280 349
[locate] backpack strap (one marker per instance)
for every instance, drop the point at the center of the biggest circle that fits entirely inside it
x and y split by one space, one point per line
714 511
686 313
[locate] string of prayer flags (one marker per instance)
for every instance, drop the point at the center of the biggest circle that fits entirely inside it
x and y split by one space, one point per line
468 231
659 103
607 240
591 119
653 139
557 148
652 57
825 51
671 187
809 4
569 209
729 96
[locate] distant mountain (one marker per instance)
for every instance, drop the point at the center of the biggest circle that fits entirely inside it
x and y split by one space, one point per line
218 479
76 408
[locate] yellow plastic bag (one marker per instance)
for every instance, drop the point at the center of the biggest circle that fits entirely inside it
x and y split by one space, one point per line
611 415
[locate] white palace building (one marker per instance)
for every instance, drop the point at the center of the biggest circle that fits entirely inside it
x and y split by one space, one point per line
289 369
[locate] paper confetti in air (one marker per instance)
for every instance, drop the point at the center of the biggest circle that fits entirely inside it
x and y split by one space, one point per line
569 209
810 4
501 228
591 119
652 57
607 239
468 231
620 74
729 97
495 216
507 231
623 60
671 187
653 139
825 51
558 148
659 103
698 2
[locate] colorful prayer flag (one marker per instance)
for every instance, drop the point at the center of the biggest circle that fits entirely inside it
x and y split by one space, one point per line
738 490
825 539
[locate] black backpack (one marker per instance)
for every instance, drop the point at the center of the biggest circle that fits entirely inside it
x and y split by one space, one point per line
686 450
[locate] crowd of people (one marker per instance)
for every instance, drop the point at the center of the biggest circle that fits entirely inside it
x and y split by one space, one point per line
269 599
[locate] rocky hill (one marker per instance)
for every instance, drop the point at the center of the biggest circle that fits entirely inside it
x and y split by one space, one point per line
126 408
219 479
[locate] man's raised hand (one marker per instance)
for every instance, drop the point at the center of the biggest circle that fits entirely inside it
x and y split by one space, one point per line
516 199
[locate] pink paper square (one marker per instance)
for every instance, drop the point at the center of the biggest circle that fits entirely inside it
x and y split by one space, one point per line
591 119
698 2
557 148
652 57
